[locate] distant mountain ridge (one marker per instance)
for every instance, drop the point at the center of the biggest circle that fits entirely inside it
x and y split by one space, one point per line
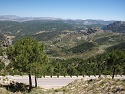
70 21
22 19
117 26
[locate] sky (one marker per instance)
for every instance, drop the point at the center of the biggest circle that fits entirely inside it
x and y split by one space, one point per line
65 9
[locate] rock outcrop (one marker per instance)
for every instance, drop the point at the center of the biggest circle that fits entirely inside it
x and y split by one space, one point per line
4 45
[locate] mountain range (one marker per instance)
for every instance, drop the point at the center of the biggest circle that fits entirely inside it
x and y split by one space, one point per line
117 26
66 38
71 21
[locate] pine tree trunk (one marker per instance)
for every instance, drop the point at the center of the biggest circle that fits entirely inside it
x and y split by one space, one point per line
99 75
35 81
113 73
30 82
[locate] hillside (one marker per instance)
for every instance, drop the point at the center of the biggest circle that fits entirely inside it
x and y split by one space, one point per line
48 29
118 26
61 39
95 86
32 27
64 39
73 47
81 46
47 25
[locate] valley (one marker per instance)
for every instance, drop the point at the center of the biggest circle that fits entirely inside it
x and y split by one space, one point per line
63 38
72 48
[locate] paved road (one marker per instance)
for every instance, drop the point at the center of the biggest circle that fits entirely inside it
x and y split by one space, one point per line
55 82
48 82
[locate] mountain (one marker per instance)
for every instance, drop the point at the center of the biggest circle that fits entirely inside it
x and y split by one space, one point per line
69 21
22 19
117 26
33 27
88 22
63 38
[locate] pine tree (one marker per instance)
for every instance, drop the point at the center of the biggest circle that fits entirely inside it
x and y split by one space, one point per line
27 56
115 60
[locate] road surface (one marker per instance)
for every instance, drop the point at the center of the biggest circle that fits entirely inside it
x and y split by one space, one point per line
48 82
55 82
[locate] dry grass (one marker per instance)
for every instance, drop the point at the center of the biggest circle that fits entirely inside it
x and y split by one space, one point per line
93 86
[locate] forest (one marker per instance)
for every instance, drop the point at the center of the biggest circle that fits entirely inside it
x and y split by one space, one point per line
101 64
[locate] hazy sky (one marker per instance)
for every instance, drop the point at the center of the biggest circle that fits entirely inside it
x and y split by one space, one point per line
67 9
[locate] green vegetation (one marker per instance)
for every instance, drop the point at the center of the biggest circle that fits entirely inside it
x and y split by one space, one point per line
31 27
118 46
27 56
82 47
72 50
45 36
81 57
2 65
1 51
96 65
102 40
116 61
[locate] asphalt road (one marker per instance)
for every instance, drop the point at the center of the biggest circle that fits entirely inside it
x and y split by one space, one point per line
48 82
55 82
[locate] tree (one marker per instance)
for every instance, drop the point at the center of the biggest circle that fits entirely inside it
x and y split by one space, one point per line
115 61
100 66
51 70
64 71
27 56
2 66
58 68
40 60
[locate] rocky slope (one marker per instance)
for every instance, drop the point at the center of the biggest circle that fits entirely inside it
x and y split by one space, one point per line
93 86
118 26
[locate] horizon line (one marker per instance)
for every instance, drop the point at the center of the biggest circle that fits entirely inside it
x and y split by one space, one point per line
60 18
